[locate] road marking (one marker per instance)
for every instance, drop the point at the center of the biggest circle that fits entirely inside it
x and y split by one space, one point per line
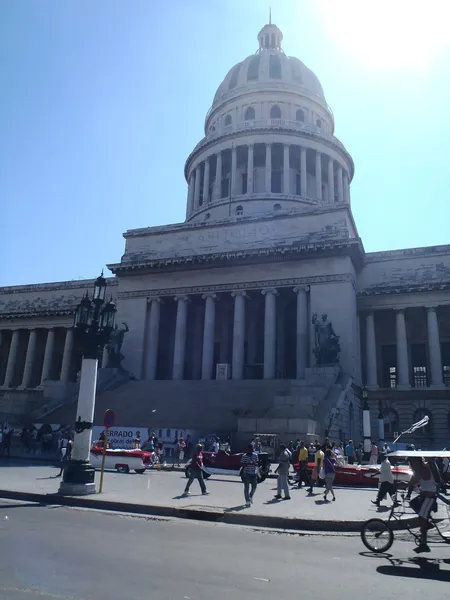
261 579
40 594
148 483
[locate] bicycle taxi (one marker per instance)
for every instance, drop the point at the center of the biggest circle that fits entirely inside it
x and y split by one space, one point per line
378 534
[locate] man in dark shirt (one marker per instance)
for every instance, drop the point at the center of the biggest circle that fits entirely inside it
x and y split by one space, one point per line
196 471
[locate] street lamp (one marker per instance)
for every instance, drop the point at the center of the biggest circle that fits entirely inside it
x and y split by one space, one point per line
93 323
366 424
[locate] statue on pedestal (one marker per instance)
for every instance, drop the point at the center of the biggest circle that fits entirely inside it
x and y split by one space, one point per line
327 347
114 346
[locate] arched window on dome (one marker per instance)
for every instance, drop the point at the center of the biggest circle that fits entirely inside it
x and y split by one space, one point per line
275 112
207 216
227 120
319 123
300 115
276 207
274 67
249 113
253 68
266 40
234 77
239 211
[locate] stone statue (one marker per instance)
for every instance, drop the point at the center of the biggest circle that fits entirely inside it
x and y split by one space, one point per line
327 347
114 346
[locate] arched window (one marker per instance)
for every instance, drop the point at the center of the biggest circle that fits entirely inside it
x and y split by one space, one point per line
234 77
239 211
274 67
391 423
253 68
249 114
227 120
319 122
299 115
276 207
160 433
207 216
168 433
275 112
419 414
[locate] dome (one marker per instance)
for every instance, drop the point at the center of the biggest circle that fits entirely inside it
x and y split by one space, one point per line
269 68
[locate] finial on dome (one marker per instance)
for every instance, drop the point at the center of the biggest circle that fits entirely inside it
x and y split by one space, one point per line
270 15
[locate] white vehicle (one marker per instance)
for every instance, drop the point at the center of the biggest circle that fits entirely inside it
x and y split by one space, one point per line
122 461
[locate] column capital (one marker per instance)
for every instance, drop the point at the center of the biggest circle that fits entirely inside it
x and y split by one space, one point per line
155 299
242 293
400 310
301 288
181 297
432 307
266 291
209 295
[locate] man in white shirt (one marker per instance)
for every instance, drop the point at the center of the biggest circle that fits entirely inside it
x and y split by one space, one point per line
386 481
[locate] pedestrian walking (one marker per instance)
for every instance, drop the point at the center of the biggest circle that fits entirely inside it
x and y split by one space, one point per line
303 475
284 461
180 448
373 454
196 471
329 463
65 454
350 452
249 467
318 464
385 482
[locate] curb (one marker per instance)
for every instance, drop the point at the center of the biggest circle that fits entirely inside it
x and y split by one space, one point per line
215 516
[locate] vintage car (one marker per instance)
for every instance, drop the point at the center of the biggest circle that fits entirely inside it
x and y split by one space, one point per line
123 461
366 475
224 463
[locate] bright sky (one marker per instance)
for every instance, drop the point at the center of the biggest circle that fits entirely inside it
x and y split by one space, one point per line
103 101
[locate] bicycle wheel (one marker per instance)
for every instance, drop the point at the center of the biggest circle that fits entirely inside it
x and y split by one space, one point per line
377 535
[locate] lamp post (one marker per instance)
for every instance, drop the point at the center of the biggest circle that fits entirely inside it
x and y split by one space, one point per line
380 423
366 425
93 323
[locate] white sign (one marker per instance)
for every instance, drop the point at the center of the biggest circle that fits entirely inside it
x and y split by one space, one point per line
120 437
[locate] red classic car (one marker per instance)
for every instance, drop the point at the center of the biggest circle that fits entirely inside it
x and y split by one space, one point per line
120 460
363 474
224 463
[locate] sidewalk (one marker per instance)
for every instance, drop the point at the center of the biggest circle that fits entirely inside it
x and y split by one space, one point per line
159 493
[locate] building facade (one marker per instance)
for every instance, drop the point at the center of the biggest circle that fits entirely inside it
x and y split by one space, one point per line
221 307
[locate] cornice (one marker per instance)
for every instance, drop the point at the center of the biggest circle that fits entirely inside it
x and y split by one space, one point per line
36 313
258 254
50 287
421 252
406 288
247 286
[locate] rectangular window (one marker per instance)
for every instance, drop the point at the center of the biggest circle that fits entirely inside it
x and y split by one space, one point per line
420 377
392 377
447 375
388 366
276 182
244 183
419 362
298 187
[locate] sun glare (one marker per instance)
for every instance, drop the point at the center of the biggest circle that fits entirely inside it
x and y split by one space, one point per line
389 34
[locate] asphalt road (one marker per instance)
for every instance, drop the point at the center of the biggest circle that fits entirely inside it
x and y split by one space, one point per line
68 554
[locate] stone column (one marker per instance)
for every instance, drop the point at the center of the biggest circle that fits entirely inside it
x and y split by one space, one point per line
318 175
340 184
286 169
268 168
153 338
206 197
237 367
180 337
197 187
233 179
29 359
346 184
270 314
330 180
218 186
250 169
302 331
12 357
48 355
208 336
252 339
303 175
402 350
434 348
190 202
371 352
67 356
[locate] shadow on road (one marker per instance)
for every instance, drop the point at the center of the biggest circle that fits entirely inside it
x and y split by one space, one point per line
235 508
417 567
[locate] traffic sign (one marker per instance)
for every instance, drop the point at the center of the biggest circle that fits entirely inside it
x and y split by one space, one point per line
109 418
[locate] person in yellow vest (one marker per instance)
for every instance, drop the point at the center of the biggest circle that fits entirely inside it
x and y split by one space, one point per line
318 464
